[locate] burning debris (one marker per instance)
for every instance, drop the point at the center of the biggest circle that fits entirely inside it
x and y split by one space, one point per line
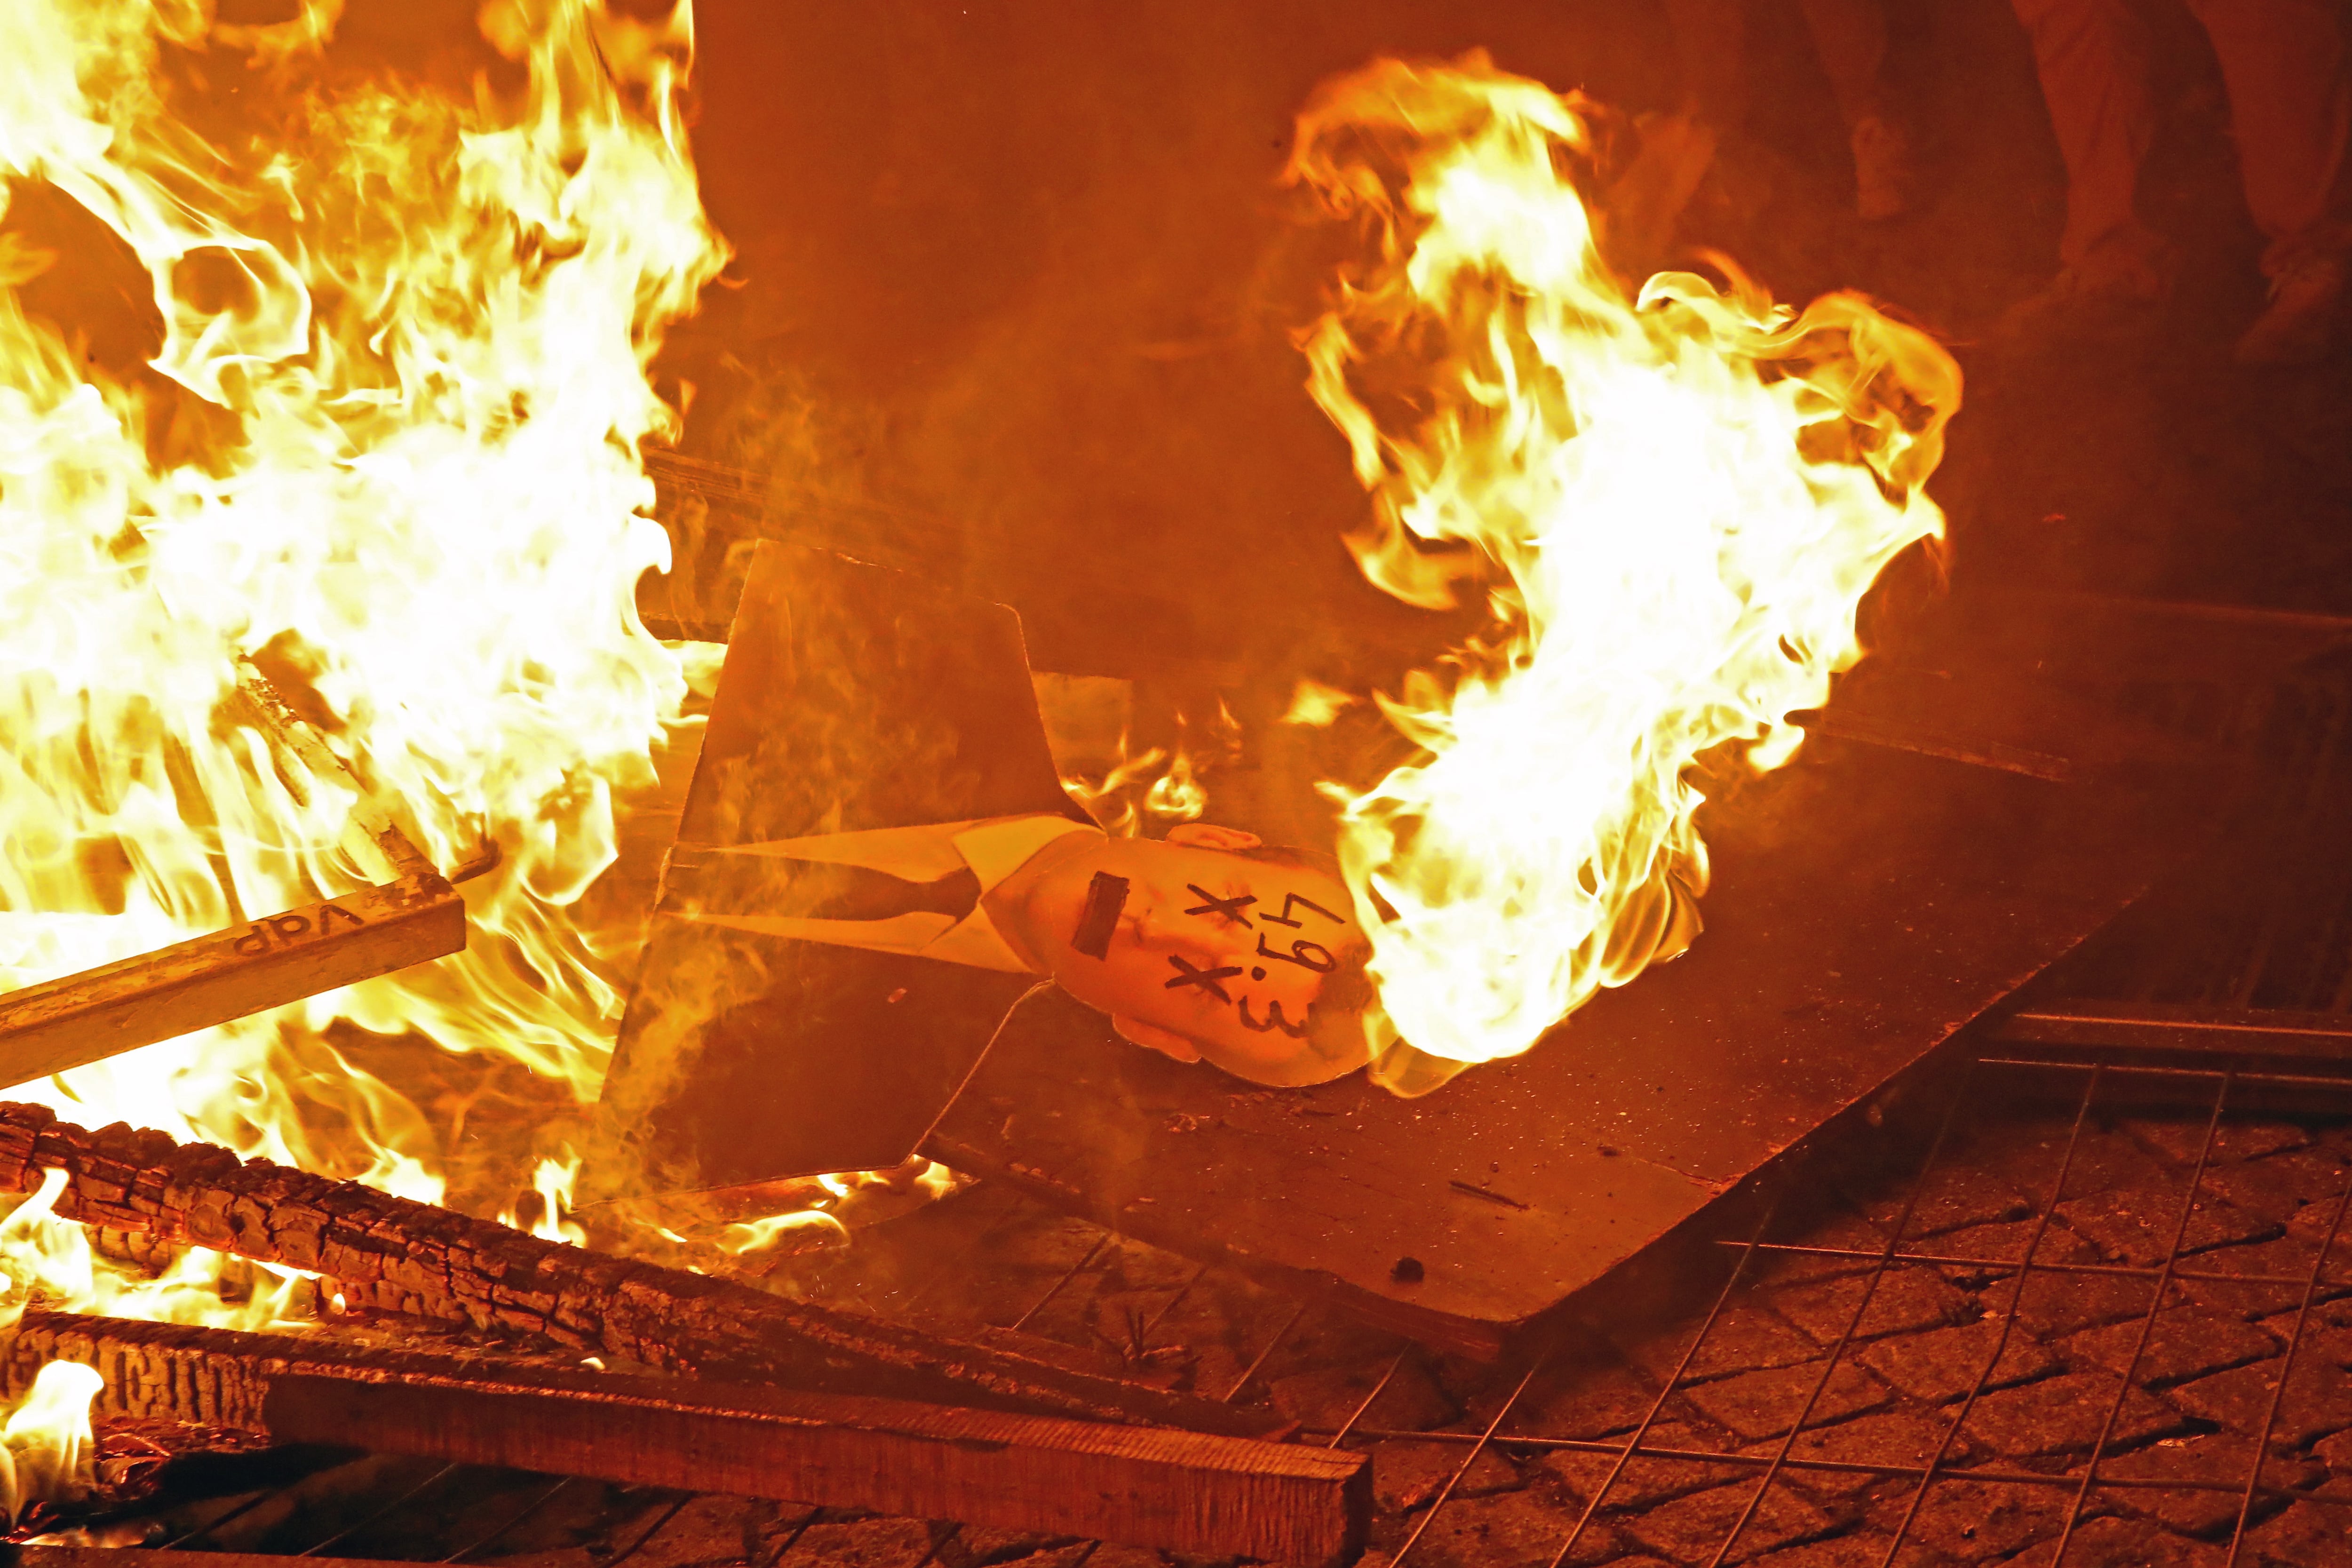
1671 499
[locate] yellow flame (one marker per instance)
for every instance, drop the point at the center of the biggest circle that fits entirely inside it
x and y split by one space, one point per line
46 1451
388 443
1671 499
1316 705
553 1182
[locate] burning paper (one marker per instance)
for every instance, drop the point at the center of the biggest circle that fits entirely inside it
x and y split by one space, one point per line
1671 499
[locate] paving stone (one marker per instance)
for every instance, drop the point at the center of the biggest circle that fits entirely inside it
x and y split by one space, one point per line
1076 1554
2283 1184
864 1543
1499 1531
2187 1342
1597 1399
2238 1139
1112 1555
1692 1528
1887 1437
1907 1299
971 1548
1645 1482
1943 1365
2301 1535
1999 1246
2318 1401
1862 1550
1745 1338
2217 1457
2135 1225
1324 1401
1765 1403
2109 1158
2064 1416
2120 1541
2052 1306
1962 1521
1958 1194
1407 1476
2335 1453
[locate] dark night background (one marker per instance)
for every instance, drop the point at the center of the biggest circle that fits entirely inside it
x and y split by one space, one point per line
1016 284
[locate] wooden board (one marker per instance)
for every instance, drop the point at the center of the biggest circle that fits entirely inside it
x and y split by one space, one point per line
1867 903
1180 1492
415 915
101 1013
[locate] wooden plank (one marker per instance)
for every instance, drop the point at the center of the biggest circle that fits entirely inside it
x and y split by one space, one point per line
394 1254
159 1557
101 1013
1180 1492
414 916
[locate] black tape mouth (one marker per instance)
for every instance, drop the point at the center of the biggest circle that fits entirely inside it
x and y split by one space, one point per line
1106 897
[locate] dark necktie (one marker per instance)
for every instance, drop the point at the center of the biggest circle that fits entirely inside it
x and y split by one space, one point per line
855 893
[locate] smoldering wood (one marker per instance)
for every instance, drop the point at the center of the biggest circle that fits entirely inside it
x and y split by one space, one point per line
397 1256
1182 1492
255 964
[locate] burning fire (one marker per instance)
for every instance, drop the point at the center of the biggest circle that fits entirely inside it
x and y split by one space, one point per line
1671 499
386 446
46 1449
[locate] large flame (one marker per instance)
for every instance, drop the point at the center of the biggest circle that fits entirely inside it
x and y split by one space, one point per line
1671 499
387 446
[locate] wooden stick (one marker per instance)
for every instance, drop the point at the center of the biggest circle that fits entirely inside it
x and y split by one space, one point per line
1180 1492
257 965
393 1255
101 1013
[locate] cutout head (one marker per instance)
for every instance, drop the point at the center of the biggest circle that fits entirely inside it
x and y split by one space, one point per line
1208 945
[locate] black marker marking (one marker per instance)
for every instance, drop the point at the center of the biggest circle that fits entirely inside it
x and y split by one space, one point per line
1206 979
1229 908
1273 1020
1311 955
1292 902
1106 897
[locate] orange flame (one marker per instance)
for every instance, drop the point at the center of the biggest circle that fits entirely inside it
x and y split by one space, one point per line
389 443
1671 499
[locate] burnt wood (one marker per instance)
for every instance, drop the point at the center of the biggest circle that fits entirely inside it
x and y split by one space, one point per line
1182 1492
394 1254
1867 903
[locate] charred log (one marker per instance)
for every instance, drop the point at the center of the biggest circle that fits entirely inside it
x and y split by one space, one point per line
398 1256
1182 1491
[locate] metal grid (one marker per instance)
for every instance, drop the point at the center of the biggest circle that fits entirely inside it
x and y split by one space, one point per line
1941 1478
2250 951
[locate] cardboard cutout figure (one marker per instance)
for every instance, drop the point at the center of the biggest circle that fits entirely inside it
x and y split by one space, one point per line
877 860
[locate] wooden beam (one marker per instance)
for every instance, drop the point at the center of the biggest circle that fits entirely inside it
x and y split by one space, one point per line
412 915
101 1013
1180 1492
112 1557
392 1255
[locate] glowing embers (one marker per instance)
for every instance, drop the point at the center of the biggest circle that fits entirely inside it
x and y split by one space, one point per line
1670 499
